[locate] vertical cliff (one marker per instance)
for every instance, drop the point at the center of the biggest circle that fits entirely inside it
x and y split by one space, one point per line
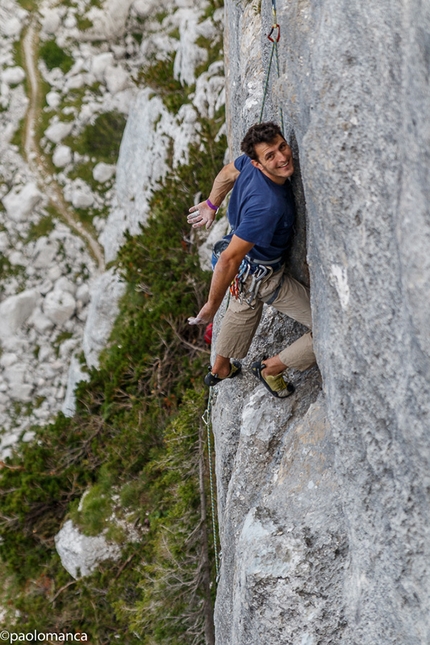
323 498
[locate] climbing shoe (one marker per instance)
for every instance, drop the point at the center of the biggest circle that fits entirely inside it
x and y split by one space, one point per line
275 384
212 379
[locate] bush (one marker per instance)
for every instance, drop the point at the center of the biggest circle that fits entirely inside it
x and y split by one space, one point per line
102 139
54 56
134 444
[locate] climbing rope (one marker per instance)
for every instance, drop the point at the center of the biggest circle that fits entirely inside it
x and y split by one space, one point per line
207 421
274 36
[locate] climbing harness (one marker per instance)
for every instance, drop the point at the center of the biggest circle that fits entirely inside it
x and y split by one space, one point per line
207 421
259 270
274 36
247 291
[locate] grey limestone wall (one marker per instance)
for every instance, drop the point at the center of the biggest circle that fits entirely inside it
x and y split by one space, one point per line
324 498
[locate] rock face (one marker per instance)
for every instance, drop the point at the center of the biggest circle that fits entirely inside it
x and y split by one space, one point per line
103 310
323 499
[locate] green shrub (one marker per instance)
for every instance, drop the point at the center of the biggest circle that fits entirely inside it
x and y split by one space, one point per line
102 139
159 76
43 227
135 434
134 442
54 56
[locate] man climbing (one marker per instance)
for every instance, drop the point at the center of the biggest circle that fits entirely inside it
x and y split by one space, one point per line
261 215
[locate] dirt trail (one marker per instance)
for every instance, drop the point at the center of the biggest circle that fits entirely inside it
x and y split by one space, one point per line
35 159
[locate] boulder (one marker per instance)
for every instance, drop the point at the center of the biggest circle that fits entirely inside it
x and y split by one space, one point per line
64 284
15 376
70 21
46 250
16 258
46 286
4 241
109 22
102 172
143 8
116 78
19 203
15 310
13 75
67 347
7 359
53 99
54 273
99 64
58 131
51 21
75 82
82 198
40 322
80 553
62 156
12 27
59 306
83 293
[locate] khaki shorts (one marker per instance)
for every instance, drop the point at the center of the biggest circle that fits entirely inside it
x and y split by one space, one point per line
241 321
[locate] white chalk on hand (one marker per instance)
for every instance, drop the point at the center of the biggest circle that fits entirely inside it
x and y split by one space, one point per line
195 321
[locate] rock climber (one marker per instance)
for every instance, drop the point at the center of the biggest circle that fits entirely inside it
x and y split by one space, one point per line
261 216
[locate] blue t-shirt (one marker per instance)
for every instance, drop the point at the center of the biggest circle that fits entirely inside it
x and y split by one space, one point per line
261 211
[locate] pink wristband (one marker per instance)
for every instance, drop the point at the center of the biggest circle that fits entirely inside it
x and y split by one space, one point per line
212 206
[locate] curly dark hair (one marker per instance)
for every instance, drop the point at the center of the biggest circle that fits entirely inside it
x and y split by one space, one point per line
259 133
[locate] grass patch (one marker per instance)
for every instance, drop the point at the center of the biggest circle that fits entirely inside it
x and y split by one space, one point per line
159 76
101 140
18 137
213 47
8 270
83 170
96 506
212 6
138 37
54 56
76 97
83 23
43 227
62 336
29 5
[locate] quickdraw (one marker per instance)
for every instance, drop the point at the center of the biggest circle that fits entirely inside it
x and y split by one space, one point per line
258 273
240 278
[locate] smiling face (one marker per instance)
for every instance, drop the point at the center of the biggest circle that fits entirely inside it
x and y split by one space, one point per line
275 159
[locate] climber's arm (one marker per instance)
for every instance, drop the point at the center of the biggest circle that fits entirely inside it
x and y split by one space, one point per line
202 214
225 270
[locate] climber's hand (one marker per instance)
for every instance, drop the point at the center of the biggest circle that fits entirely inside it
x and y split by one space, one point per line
204 317
201 215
